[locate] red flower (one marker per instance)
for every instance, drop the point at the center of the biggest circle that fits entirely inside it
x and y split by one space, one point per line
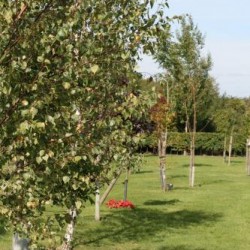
119 204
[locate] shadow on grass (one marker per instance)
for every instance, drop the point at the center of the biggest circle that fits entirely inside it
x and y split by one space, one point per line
199 165
160 202
144 172
182 188
214 182
148 155
237 161
121 226
178 176
181 247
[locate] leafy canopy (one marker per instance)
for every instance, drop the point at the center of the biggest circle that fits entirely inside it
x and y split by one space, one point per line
66 108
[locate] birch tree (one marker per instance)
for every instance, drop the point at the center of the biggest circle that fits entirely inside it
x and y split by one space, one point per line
65 106
231 118
162 117
188 72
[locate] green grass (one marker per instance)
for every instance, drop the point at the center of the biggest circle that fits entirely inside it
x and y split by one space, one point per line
215 214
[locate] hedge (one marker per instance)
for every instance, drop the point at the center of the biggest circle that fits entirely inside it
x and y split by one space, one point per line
206 143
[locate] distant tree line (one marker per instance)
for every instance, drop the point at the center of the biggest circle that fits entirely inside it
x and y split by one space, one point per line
198 118
207 143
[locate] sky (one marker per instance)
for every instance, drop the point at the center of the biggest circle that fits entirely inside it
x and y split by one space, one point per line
226 26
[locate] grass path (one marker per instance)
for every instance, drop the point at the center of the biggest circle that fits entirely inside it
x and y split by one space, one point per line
215 214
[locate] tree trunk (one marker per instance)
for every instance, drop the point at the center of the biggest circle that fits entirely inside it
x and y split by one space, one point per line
230 149
111 185
68 237
248 156
126 187
186 130
224 150
18 243
162 142
192 147
192 162
97 202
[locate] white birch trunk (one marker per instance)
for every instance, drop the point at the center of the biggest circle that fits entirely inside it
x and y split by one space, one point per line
192 166
248 156
230 149
186 130
162 155
224 150
97 203
192 147
126 186
19 243
193 175
68 237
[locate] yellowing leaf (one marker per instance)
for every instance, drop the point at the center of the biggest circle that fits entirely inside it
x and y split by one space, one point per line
4 210
66 85
94 68
51 153
25 102
66 179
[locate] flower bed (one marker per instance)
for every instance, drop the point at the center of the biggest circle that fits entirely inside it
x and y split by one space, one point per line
119 204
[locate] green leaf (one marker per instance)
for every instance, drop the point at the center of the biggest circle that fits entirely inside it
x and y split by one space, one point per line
45 157
39 159
152 3
61 33
47 61
26 176
51 119
8 16
24 126
78 204
78 158
33 112
40 58
25 112
41 152
75 186
24 65
116 157
125 56
40 125
66 179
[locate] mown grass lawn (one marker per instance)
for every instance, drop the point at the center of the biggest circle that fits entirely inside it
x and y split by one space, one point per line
215 214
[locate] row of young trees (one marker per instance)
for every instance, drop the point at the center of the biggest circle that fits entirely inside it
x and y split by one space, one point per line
191 95
68 110
187 79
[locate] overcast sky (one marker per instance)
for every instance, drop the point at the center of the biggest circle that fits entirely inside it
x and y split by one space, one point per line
226 26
